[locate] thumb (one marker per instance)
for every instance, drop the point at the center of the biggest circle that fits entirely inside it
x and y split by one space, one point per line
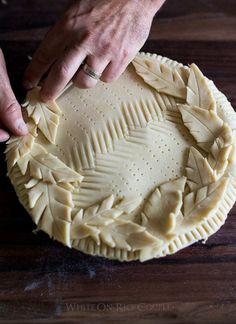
10 110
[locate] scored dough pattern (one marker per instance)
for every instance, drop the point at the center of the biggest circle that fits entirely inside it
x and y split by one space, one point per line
175 214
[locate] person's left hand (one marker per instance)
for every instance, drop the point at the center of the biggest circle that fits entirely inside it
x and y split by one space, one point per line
107 34
11 120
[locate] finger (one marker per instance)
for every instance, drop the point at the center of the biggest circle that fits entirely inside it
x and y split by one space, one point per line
44 57
4 135
11 116
62 72
10 110
97 64
114 70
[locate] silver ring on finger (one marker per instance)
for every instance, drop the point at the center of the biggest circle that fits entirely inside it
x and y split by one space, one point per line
90 72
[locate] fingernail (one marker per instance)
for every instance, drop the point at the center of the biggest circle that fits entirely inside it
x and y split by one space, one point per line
27 85
23 128
4 138
45 96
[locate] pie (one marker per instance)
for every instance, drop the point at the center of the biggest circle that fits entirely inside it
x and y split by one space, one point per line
131 170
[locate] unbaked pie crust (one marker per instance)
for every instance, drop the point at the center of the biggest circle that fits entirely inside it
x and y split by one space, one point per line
135 169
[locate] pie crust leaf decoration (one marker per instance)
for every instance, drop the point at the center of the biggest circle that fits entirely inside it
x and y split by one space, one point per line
204 125
127 235
163 207
49 168
198 92
128 204
89 222
28 159
45 115
161 77
61 231
231 170
203 202
198 170
102 223
50 204
19 146
220 150
86 222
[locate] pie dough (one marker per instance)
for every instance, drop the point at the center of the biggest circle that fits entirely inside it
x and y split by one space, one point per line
135 169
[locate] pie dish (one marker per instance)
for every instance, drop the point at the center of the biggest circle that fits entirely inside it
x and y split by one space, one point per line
132 170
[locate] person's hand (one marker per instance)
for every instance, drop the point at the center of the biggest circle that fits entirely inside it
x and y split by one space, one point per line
107 34
11 120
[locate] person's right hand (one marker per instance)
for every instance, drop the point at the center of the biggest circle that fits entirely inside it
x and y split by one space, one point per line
106 34
11 120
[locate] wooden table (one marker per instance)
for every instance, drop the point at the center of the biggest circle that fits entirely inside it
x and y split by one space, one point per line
40 280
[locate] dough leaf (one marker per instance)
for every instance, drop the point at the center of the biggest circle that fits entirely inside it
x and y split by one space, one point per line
19 146
47 167
161 77
220 150
127 235
24 162
163 207
199 172
102 223
204 125
203 202
198 92
51 205
45 115
231 170
51 169
88 222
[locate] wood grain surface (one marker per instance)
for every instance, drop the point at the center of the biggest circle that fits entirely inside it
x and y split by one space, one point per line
43 282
